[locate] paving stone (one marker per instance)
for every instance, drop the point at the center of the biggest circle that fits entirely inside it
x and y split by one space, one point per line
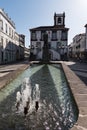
82 121
83 110
81 97
80 90
74 128
82 104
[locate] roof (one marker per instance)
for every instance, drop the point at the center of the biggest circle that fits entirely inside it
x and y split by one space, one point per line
5 15
44 28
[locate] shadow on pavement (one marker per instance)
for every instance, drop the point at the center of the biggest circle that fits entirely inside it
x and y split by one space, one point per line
80 69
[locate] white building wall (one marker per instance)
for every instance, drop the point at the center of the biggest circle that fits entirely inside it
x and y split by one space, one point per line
57 52
79 45
8 38
83 44
53 45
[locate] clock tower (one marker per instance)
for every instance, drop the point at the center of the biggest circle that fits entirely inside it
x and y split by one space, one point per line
59 19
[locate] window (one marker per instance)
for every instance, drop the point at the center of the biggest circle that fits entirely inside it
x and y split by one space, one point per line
1 25
9 31
1 42
64 35
6 28
78 46
42 35
54 35
33 35
12 33
10 45
59 20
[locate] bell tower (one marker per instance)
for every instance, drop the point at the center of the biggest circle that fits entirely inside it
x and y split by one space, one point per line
59 19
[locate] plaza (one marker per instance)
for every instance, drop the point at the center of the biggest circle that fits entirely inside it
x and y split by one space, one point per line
43 86
77 87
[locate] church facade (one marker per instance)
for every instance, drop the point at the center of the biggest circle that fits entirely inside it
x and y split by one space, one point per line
57 40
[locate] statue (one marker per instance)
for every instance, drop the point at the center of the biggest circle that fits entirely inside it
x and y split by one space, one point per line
45 56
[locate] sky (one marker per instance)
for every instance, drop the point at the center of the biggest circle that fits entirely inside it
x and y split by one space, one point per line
28 14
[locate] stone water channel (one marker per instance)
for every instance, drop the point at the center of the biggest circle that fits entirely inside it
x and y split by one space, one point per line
57 108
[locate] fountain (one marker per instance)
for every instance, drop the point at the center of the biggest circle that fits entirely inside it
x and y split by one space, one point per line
37 96
25 100
18 99
41 101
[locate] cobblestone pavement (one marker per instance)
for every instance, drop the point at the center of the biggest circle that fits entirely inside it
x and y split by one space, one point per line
80 69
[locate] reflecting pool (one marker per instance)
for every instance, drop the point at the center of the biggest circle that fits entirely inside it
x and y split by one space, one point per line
57 109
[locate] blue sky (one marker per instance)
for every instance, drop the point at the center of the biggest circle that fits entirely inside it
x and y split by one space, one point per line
33 13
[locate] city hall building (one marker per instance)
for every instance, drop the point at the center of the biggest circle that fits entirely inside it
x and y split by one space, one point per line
57 39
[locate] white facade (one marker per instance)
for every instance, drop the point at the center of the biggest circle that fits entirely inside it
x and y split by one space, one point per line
38 46
9 39
78 46
7 33
57 39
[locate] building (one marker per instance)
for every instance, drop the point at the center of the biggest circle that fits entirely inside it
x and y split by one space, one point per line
10 40
21 46
7 34
17 52
57 40
78 48
26 53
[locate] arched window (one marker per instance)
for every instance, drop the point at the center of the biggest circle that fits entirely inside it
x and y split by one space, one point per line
1 25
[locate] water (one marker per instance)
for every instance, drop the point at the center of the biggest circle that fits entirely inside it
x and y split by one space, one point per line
57 109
